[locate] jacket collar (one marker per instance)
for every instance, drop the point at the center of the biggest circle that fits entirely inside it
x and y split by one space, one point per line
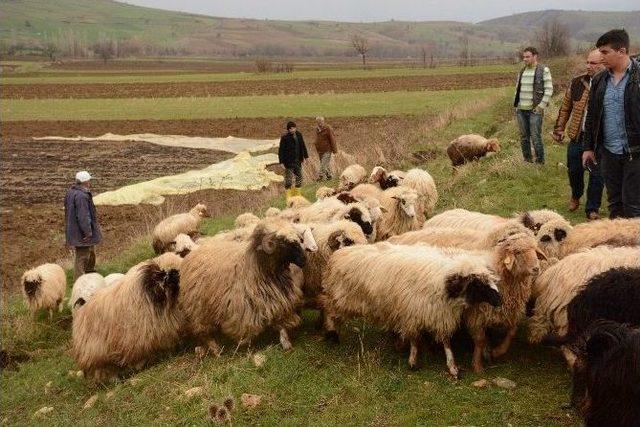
81 188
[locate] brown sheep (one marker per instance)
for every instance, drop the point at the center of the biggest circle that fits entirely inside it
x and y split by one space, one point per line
467 148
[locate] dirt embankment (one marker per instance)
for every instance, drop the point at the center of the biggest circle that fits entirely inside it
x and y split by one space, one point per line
262 87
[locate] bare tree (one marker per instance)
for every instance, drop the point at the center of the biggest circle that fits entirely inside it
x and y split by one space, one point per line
50 49
361 46
554 39
105 48
465 55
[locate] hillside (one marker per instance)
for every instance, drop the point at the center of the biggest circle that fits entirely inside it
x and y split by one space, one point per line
74 25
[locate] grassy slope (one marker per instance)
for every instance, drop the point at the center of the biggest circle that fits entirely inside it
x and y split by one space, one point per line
307 105
363 381
88 19
224 77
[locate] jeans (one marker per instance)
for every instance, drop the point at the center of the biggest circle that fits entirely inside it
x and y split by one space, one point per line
530 125
85 261
621 173
325 166
576 177
290 172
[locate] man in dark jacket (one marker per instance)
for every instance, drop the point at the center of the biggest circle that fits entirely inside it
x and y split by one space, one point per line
325 146
291 154
81 224
612 127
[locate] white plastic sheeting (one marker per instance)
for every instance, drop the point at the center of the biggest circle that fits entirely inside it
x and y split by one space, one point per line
243 172
229 144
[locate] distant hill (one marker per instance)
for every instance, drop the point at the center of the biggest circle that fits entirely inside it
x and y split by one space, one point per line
73 26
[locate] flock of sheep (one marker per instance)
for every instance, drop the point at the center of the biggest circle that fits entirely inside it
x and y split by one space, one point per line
371 248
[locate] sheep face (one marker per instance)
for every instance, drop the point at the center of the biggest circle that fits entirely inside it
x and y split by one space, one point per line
306 237
201 210
520 255
360 217
378 174
390 181
493 146
407 203
280 247
339 239
161 287
551 235
474 288
31 286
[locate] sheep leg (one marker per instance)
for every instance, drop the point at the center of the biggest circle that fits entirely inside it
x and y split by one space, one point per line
214 348
60 306
413 354
50 314
451 363
284 340
569 356
502 349
480 342
330 334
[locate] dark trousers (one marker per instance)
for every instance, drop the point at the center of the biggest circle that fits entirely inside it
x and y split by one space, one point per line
290 173
621 173
576 177
85 261
530 125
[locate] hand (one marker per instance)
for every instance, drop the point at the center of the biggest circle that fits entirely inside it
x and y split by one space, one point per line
558 136
588 157
87 239
538 110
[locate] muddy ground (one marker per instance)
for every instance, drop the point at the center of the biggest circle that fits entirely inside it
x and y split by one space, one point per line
263 87
35 175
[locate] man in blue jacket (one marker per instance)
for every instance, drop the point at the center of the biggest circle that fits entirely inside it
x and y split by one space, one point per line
81 224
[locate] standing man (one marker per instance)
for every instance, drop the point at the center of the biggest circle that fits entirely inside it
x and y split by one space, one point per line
81 224
325 146
573 111
533 92
291 154
612 128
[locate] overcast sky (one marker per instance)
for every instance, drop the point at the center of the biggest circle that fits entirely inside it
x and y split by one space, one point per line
379 10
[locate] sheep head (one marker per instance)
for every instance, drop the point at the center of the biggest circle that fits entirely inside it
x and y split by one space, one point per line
31 284
551 235
307 239
475 288
533 220
519 255
348 234
161 287
493 146
360 215
378 175
278 244
200 210
406 200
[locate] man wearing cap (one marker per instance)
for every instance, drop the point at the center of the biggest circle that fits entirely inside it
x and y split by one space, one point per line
81 224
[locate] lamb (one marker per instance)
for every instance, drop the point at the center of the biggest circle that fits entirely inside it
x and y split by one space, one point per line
552 235
44 287
330 237
516 261
616 232
271 212
112 279
462 218
554 289
467 148
399 212
428 291
351 176
183 244
126 325
606 375
297 202
383 179
324 192
425 186
167 230
84 288
245 219
242 288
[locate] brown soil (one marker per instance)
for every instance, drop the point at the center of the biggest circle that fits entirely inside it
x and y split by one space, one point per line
263 87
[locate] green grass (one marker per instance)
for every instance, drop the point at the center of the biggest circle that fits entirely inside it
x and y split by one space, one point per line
225 77
308 105
362 381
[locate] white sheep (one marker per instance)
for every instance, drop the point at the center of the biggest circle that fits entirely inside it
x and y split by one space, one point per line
425 186
332 209
351 176
557 285
241 288
616 232
399 212
245 219
84 288
44 287
407 290
462 218
167 230
113 278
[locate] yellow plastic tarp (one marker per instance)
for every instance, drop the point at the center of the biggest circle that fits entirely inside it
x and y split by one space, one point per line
229 144
243 172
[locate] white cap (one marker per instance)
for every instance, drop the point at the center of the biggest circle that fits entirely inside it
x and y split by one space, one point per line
83 176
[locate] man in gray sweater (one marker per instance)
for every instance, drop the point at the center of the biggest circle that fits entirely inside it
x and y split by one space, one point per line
81 224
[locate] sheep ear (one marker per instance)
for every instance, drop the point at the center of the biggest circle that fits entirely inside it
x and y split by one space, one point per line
541 255
268 244
508 261
559 234
527 221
